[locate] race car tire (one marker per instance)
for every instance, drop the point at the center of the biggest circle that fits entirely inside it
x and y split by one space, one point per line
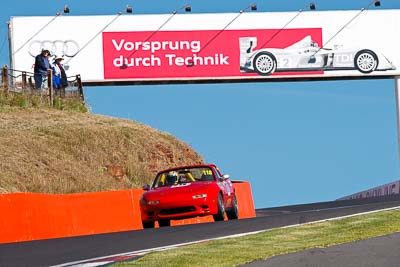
233 213
264 63
163 223
221 209
148 225
366 61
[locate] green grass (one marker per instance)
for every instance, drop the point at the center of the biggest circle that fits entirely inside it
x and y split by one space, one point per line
9 100
236 251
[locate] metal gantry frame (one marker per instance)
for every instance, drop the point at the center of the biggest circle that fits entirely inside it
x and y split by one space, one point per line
397 96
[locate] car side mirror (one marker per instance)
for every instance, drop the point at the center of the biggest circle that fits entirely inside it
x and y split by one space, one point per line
146 187
312 60
225 176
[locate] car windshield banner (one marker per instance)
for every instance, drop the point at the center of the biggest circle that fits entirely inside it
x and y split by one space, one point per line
214 47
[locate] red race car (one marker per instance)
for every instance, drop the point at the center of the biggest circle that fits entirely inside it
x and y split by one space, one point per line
189 191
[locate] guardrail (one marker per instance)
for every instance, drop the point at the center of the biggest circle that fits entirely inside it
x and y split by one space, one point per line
17 81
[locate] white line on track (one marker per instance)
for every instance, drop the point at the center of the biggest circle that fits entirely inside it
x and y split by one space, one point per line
91 263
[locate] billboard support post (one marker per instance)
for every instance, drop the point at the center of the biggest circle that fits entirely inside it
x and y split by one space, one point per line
397 93
11 47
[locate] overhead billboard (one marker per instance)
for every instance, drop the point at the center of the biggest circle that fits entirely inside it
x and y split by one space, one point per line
214 47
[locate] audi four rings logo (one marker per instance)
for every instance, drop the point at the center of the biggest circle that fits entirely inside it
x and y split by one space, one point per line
67 48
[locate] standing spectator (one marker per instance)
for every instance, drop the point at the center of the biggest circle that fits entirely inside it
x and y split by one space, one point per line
42 66
59 76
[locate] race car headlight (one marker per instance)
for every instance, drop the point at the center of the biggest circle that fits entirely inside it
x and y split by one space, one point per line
199 196
144 202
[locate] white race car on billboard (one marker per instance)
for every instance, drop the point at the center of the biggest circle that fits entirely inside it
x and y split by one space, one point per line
306 55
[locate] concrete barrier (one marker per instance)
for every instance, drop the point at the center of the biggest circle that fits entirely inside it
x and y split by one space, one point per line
31 216
245 199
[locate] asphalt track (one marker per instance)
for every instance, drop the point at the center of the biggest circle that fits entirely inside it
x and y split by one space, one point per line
66 250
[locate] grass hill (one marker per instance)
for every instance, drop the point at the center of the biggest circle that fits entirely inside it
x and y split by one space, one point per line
56 151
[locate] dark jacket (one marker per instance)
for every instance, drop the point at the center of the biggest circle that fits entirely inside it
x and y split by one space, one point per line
64 80
41 65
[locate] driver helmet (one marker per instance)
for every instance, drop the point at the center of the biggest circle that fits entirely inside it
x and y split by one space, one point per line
172 177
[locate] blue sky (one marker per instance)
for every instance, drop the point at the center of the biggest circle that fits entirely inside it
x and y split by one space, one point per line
296 142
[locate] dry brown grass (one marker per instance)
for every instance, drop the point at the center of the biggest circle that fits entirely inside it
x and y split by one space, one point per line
52 151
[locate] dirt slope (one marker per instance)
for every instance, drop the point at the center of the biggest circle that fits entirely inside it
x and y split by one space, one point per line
51 151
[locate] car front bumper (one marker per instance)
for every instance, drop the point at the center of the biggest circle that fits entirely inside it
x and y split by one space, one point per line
181 210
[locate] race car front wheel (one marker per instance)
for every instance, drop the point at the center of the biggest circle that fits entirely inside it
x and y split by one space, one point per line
148 225
264 63
221 209
233 213
163 223
366 61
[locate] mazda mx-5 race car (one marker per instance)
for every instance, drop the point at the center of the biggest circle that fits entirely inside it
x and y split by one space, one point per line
306 55
189 191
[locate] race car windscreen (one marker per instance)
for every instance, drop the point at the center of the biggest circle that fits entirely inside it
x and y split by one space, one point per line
186 175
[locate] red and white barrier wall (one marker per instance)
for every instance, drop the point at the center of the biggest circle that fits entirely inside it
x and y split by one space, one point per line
31 216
